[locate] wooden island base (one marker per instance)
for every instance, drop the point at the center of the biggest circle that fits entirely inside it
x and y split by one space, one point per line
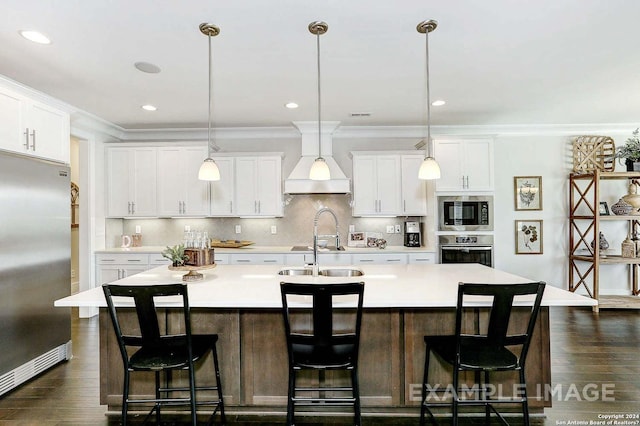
253 360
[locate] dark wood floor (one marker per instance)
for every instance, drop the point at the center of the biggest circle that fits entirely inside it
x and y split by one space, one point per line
590 353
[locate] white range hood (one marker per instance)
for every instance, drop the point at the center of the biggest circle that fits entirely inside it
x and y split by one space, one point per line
298 181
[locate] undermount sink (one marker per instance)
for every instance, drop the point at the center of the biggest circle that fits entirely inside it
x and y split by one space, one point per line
320 249
295 271
341 272
331 272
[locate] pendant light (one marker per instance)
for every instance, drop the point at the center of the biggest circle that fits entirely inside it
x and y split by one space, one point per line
209 169
319 168
429 169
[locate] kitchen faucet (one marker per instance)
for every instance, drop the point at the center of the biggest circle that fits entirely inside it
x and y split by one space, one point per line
315 236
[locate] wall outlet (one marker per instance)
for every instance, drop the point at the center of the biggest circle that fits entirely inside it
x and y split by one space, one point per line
238 229
398 229
73 273
390 229
274 229
138 229
352 228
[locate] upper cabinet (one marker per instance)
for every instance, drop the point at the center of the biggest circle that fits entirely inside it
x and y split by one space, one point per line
414 190
131 182
33 128
223 190
376 185
259 186
387 184
465 164
180 193
162 181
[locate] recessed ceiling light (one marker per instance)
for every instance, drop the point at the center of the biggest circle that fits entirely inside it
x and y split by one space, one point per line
439 102
291 105
35 37
149 108
147 67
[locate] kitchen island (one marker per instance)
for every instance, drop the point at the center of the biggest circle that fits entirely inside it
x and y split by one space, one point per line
402 304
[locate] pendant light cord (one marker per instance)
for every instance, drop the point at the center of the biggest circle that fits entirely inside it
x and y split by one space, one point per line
209 110
319 100
427 93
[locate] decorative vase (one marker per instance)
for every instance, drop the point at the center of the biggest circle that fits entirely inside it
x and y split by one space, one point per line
632 165
621 207
603 244
632 197
628 248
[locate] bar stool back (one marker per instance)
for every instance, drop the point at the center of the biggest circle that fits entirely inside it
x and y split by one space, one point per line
150 346
323 333
484 349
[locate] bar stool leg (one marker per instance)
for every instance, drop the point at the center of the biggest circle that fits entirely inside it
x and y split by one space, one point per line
525 402
291 395
454 405
425 381
216 366
356 395
125 398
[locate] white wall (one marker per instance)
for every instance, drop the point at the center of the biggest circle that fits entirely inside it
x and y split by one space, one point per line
549 156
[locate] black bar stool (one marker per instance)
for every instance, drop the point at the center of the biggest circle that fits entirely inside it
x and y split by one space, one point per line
323 333
153 348
483 352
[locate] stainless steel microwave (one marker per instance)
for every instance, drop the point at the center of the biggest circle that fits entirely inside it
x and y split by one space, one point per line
465 213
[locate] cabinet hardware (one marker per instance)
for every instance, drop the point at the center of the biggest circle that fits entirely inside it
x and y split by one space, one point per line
259 207
133 260
133 207
393 260
243 260
26 137
230 206
33 140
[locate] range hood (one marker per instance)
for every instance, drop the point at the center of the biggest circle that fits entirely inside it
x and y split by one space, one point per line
298 181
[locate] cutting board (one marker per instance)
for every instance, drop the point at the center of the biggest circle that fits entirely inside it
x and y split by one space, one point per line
230 243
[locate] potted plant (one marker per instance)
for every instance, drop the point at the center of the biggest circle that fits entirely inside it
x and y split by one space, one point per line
176 255
630 151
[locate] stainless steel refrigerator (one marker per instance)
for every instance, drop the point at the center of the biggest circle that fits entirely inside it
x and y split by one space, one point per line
35 267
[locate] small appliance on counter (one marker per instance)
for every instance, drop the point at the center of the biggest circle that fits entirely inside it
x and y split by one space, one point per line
412 235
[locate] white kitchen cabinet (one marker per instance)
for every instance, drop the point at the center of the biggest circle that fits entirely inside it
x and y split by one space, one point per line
379 258
257 259
258 186
33 128
414 190
131 181
333 259
223 190
112 267
422 258
465 164
376 185
180 192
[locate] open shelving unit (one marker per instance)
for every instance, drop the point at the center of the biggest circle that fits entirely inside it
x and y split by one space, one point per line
584 227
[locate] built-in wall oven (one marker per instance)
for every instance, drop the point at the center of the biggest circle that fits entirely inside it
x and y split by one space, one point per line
466 249
465 213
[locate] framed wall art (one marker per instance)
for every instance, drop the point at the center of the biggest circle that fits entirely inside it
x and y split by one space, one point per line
528 192
528 236
356 239
603 208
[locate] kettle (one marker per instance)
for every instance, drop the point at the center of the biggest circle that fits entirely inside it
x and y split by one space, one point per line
125 241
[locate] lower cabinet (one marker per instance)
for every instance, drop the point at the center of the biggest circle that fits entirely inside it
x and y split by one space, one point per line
113 267
257 259
423 257
379 258
116 266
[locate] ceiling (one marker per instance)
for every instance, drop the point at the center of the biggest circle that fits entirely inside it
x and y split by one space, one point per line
495 62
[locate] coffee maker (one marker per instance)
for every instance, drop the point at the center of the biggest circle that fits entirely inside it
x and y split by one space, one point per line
412 234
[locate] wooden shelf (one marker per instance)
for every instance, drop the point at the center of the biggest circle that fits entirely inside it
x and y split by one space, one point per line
619 302
584 227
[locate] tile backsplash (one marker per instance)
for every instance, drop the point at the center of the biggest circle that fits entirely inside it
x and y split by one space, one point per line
295 228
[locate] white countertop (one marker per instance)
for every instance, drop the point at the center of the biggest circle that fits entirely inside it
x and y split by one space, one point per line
386 286
272 249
